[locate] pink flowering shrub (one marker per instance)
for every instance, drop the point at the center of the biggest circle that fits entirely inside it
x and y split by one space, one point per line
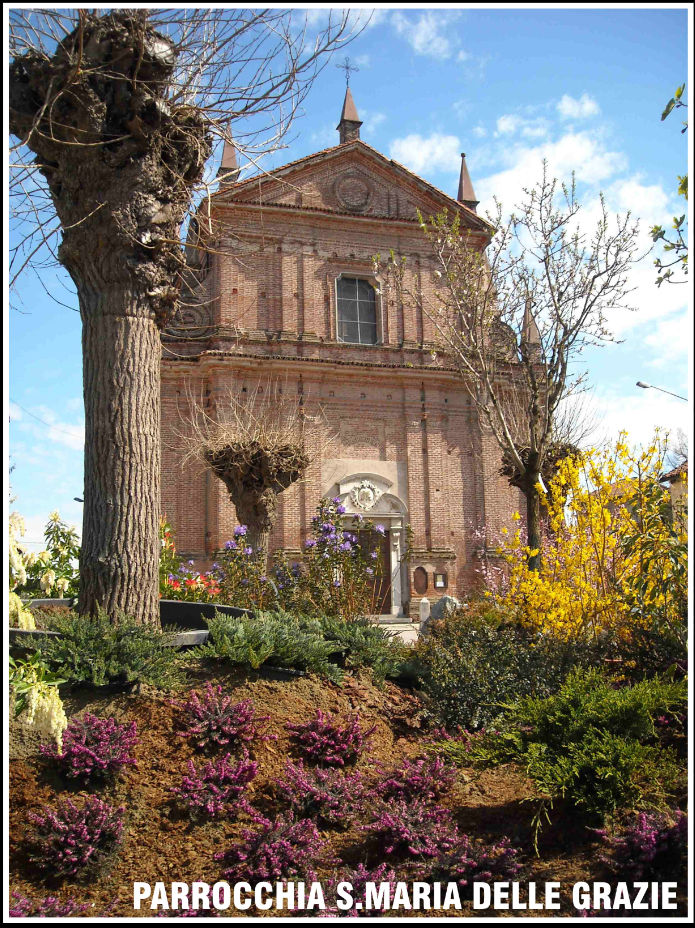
412 828
217 789
325 741
651 845
70 836
424 778
358 879
274 850
93 747
215 721
48 907
330 796
470 861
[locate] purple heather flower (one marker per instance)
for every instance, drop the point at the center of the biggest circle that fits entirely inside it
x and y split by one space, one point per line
231 545
341 510
337 583
373 555
345 546
380 529
336 500
369 572
190 563
248 550
240 530
311 543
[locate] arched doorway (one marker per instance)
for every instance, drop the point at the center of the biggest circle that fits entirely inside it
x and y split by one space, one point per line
369 496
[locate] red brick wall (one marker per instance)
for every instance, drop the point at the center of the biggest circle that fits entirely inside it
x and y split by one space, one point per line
273 312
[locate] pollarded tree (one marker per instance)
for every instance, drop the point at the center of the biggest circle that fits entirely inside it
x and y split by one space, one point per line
116 113
256 444
514 319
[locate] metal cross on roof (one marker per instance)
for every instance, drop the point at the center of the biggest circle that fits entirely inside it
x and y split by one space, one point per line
347 67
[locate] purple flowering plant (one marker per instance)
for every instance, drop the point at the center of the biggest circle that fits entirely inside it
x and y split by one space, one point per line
47 907
332 796
339 566
217 789
327 742
424 778
274 850
468 861
93 748
212 720
412 828
648 846
70 837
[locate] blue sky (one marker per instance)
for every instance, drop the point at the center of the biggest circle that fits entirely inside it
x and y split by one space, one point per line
582 87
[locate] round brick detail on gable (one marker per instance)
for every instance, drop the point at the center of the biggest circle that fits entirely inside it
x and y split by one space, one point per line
353 192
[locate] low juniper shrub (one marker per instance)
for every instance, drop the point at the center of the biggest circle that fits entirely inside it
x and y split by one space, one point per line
650 846
71 837
424 778
214 721
470 861
93 748
332 796
274 850
412 828
48 907
324 741
217 789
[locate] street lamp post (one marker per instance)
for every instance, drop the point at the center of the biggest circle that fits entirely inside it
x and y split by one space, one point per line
650 386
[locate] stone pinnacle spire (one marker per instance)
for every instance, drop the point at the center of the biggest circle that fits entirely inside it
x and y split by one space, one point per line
349 125
228 172
466 194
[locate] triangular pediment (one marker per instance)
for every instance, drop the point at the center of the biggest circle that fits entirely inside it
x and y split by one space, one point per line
352 179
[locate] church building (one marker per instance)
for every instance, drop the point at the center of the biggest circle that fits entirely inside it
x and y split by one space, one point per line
289 293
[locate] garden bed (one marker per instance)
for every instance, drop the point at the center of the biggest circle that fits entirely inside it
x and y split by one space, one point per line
161 845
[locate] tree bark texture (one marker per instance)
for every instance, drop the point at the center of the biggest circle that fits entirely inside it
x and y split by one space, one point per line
120 540
120 165
255 474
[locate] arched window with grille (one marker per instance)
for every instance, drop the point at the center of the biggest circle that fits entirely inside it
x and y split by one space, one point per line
356 299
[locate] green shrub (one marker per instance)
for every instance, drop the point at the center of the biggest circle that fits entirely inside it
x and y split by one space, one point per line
365 644
588 702
98 651
275 638
473 662
592 743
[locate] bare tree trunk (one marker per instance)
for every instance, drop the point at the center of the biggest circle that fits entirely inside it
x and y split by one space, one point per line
119 557
533 517
257 513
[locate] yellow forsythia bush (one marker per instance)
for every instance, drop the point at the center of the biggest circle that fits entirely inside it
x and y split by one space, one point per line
614 553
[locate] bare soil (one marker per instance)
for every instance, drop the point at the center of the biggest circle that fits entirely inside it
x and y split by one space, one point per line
161 845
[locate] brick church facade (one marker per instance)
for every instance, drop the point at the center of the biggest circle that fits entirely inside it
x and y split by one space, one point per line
289 293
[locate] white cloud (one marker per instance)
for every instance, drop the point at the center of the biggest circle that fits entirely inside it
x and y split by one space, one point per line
570 108
507 125
581 152
371 121
639 413
52 430
669 340
479 132
435 152
429 34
